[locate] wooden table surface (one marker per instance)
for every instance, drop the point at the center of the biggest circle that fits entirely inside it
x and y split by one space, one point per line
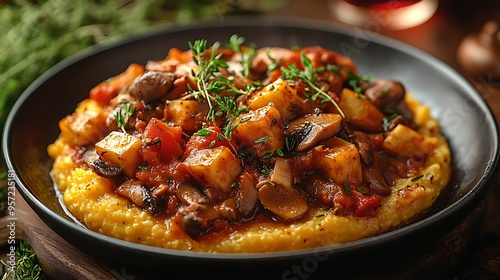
440 36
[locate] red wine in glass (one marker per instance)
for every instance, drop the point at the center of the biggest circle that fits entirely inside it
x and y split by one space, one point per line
387 14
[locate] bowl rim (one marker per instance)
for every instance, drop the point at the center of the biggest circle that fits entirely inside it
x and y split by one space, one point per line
281 22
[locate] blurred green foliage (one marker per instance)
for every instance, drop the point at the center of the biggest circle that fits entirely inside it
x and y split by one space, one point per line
35 35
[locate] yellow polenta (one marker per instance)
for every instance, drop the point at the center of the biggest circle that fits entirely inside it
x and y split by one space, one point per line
92 200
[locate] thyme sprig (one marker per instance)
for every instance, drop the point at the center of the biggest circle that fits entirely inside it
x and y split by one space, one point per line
122 116
224 136
356 81
205 76
26 266
210 83
309 76
247 54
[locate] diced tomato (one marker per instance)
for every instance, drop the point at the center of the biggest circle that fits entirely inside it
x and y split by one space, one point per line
107 90
166 138
365 204
210 138
151 155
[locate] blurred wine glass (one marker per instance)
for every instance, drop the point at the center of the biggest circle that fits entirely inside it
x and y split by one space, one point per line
388 14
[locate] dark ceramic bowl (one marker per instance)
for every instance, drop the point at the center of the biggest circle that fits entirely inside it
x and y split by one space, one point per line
464 118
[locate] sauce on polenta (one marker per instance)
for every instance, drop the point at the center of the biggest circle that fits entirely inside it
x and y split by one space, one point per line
237 149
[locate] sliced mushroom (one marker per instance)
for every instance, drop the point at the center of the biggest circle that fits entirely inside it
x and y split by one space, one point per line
140 195
89 156
361 140
189 194
228 209
313 128
287 203
247 195
399 119
104 170
133 190
282 173
152 85
328 192
385 94
371 171
375 180
197 218
405 112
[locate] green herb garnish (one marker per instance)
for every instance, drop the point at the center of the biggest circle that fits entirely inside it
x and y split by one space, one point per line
416 178
290 143
355 81
210 84
122 116
309 76
262 139
387 120
247 54
347 188
26 266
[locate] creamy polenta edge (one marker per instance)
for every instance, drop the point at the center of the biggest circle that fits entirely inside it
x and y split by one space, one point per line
92 201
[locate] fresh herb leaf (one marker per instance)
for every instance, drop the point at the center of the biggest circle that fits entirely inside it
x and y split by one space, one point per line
267 155
143 166
416 178
384 92
273 65
265 170
347 188
26 266
203 132
356 82
386 121
290 143
361 190
309 76
247 54
262 139
122 116
280 152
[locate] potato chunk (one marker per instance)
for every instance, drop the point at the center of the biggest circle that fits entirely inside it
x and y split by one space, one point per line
282 96
120 149
361 112
83 128
409 143
261 130
188 114
217 168
340 161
